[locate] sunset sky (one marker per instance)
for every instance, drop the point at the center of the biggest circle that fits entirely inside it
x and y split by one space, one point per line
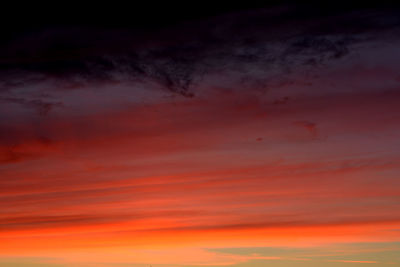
237 136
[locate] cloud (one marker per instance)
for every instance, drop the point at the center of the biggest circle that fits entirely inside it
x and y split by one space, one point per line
247 45
353 261
311 127
40 106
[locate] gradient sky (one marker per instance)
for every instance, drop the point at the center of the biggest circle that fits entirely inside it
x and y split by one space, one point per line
257 137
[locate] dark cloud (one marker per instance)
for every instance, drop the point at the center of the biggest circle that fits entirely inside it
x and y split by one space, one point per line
253 45
316 50
282 100
41 107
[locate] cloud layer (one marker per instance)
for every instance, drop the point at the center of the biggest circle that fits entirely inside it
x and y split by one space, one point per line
262 128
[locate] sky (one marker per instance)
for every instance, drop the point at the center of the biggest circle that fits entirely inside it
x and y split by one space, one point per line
241 136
